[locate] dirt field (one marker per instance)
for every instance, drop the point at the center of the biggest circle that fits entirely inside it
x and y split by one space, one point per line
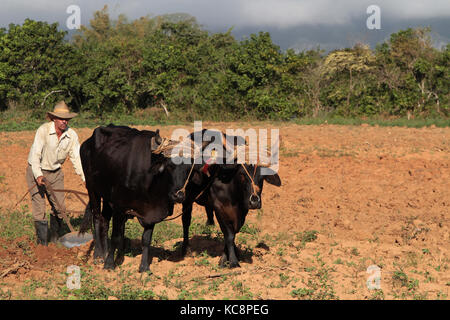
351 197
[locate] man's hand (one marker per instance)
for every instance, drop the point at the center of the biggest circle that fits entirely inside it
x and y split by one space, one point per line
40 181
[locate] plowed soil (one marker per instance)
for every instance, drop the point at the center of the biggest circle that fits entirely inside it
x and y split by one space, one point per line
375 195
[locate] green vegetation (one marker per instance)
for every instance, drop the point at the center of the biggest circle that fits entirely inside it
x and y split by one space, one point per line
135 72
320 285
306 236
405 286
16 224
320 275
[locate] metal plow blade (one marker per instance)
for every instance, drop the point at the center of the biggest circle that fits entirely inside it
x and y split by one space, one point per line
73 239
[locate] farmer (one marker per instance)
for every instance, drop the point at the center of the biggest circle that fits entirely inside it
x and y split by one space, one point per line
53 142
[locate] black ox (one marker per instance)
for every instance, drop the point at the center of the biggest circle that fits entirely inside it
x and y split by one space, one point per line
124 174
229 191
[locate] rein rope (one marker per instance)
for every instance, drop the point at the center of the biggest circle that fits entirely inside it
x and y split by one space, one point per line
75 192
254 186
183 189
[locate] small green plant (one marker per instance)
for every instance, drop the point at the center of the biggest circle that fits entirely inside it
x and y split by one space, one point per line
411 259
289 154
198 227
250 228
127 292
401 281
5 295
186 295
29 288
375 239
24 245
399 278
243 293
203 261
319 285
410 231
280 251
302 293
354 252
305 237
441 296
16 224
377 294
284 281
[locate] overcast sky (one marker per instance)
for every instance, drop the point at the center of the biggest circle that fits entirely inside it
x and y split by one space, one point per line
298 24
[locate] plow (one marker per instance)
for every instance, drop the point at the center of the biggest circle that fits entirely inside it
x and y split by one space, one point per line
73 238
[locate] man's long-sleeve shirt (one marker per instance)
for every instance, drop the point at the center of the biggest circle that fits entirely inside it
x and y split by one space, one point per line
49 153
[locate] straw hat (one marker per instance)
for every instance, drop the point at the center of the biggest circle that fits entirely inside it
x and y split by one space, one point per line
62 111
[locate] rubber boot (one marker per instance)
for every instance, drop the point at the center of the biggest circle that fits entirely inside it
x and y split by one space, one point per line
55 228
41 232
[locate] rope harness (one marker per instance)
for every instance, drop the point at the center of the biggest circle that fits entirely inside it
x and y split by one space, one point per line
168 145
255 188
165 146
183 189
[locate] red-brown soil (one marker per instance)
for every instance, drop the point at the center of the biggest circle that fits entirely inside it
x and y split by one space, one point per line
376 196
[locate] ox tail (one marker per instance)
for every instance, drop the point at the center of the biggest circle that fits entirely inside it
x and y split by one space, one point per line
86 223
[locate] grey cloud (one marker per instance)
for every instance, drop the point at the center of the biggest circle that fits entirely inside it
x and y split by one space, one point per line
214 13
299 24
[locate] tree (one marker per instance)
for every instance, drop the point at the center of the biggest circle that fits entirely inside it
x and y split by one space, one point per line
169 61
112 51
352 62
310 78
34 61
408 66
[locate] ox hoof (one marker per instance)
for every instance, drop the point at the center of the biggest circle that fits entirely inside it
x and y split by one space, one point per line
119 260
144 269
225 263
186 251
98 256
109 266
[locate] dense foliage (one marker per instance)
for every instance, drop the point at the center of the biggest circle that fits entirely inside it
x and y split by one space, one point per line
170 63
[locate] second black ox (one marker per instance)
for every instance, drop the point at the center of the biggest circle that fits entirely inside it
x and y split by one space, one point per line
229 191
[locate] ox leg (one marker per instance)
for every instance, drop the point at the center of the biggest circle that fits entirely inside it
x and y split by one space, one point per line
98 226
117 241
146 240
186 218
101 225
210 215
229 252
121 245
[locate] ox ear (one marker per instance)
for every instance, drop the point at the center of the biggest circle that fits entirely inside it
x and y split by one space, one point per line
273 179
158 167
155 141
